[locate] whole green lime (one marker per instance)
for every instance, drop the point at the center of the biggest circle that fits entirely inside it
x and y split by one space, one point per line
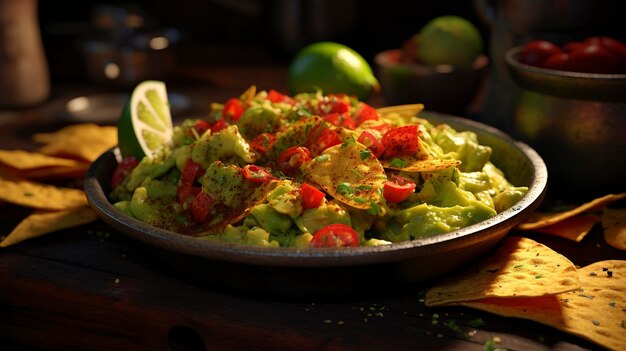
450 40
332 68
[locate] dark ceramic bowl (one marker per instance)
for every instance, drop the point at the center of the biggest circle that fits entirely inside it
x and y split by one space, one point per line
319 272
577 123
440 88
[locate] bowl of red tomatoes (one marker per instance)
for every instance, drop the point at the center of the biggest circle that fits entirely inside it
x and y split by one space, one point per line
571 107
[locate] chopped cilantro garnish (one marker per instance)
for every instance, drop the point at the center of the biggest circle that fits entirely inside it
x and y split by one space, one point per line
355 172
323 157
364 187
360 200
453 326
345 189
398 163
365 154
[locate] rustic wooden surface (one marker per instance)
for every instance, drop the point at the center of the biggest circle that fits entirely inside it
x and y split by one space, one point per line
92 288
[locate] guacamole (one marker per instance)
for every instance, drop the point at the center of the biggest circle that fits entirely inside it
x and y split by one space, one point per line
314 170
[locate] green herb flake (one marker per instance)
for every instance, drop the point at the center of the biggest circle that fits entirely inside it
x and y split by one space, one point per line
28 194
623 324
595 322
593 274
345 189
475 323
518 266
356 173
587 296
359 200
322 158
538 276
398 163
452 324
364 187
612 303
365 154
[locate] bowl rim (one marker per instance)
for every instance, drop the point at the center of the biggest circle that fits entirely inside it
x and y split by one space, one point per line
382 59
511 59
364 255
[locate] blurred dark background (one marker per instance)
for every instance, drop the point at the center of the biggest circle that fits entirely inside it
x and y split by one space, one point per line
248 31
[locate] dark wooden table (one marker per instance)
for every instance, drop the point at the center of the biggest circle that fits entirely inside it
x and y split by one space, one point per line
92 288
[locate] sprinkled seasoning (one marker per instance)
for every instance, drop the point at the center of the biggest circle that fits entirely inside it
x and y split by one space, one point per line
595 322
609 273
612 303
538 276
587 296
518 266
593 274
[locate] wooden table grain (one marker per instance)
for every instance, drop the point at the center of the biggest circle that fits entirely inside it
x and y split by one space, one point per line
93 288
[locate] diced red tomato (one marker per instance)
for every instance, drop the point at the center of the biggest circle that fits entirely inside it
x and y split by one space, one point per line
340 120
368 139
335 235
191 172
123 169
218 125
263 142
201 206
365 112
233 109
400 141
333 103
200 127
186 193
321 138
275 96
311 196
290 160
398 189
256 174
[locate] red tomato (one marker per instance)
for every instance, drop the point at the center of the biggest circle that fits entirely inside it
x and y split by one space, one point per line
201 206
573 45
365 112
335 235
615 46
594 58
186 193
311 196
368 139
218 125
334 103
233 109
200 127
123 169
340 120
275 96
256 174
536 52
263 142
321 138
400 141
559 61
191 172
398 189
290 160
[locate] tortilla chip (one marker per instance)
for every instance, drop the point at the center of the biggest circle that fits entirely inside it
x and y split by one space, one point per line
595 312
61 172
402 110
44 222
23 160
538 219
574 228
349 174
83 141
519 267
20 191
614 226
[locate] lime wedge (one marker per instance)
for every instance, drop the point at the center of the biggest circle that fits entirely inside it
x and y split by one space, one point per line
146 122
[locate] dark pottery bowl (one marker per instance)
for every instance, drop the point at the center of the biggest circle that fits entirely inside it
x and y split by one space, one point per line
440 88
331 272
577 123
